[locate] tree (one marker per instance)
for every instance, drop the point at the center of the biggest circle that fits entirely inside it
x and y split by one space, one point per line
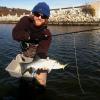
88 9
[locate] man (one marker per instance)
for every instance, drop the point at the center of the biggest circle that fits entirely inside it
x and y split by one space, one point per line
34 36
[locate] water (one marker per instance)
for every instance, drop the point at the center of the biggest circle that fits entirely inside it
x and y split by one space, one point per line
61 84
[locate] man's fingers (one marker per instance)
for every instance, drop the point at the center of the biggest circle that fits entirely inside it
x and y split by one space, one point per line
44 68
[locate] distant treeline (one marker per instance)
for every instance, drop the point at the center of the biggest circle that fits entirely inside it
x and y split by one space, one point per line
12 11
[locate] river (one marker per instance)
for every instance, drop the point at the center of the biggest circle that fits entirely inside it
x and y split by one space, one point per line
80 50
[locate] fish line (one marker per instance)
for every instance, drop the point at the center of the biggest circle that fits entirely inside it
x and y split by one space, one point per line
76 64
77 31
75 52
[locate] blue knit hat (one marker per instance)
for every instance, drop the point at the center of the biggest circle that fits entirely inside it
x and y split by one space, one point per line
43 8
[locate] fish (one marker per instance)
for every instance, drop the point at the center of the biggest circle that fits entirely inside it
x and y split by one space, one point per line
20 68
45 64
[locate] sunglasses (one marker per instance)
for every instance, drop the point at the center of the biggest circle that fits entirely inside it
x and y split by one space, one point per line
39 14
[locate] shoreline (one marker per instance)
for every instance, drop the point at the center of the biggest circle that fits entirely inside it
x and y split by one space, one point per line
61 23
76 24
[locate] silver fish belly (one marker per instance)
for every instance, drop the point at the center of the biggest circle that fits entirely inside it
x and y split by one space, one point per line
45 64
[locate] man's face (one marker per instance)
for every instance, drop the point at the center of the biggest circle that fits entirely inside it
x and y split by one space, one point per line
39 19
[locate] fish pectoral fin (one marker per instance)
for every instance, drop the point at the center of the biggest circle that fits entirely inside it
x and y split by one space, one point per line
30 70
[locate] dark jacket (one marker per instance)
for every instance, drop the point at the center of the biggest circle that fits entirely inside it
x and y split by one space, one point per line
26 31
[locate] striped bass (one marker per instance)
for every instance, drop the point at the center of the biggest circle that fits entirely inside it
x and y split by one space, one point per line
45 64
18 68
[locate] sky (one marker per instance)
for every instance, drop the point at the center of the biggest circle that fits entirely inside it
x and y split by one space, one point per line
29 4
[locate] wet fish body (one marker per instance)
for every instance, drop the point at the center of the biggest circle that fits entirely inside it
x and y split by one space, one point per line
18 68
47 64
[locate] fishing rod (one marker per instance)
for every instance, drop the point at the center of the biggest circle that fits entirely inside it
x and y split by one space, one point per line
77 31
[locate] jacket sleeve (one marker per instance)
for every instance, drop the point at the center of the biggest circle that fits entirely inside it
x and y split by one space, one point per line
42 50
19 32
